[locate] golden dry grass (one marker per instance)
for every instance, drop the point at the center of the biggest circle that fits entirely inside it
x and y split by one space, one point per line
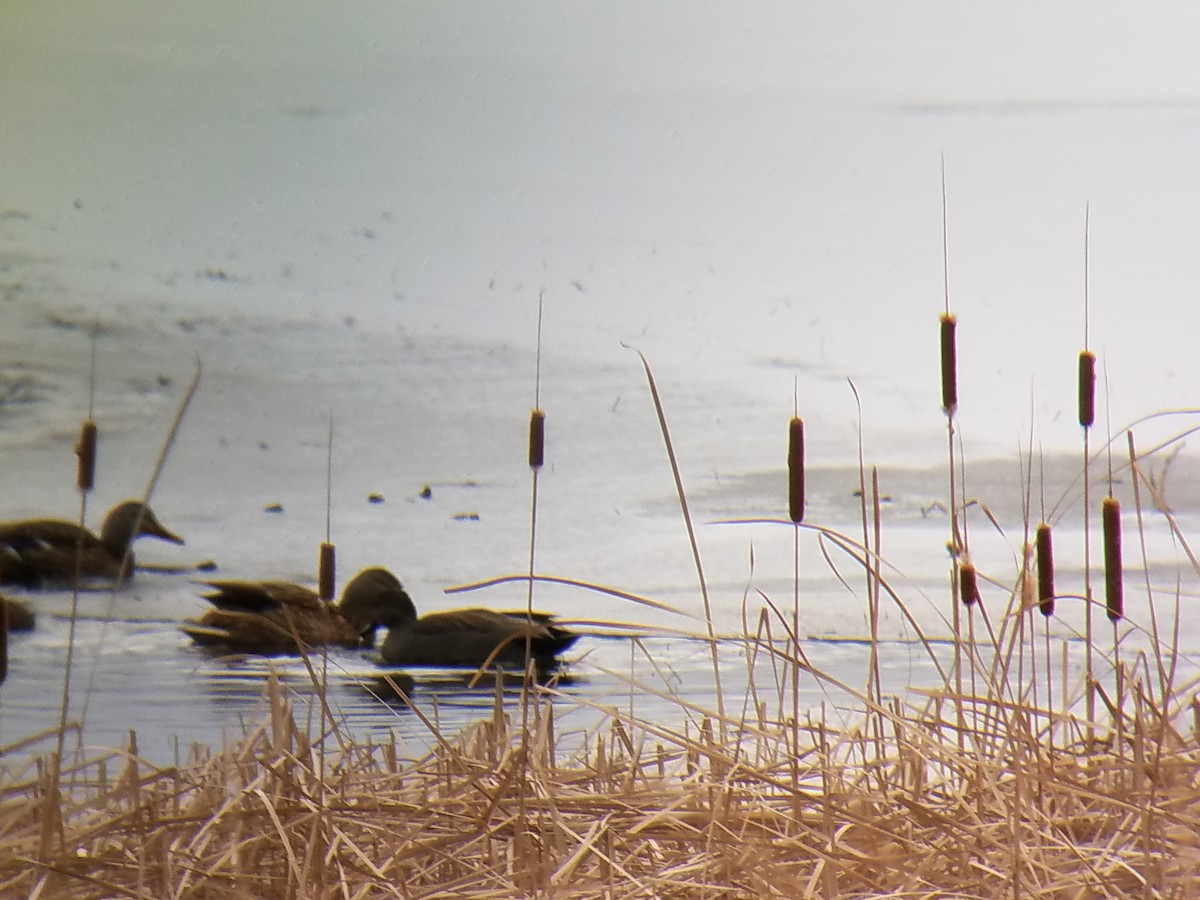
904 804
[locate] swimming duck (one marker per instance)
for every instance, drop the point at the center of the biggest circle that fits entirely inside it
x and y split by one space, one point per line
277 617
460 637
268 616
18 615
47 553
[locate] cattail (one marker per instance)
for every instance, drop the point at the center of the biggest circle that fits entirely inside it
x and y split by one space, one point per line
968 584
1087 388
795 462
1114 589
326 572
949 365
1045 567
86 451
537 438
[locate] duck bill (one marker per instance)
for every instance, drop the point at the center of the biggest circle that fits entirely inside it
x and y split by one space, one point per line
153 528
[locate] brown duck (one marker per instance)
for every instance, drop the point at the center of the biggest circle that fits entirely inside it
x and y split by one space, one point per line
460 637
47 553
268 617
278 617
17 614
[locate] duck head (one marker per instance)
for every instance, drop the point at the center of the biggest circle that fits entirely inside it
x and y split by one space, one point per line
129 521
374 598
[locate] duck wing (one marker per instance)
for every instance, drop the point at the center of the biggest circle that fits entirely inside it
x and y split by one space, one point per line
470 637
44 532
269 617
34 552
541 618
280 632
560 638
262 596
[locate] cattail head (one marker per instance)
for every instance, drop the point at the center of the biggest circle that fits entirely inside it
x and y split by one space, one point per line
949 364
537 438
327 572
86 451
795 463
968 583
1114 588
1087 388
1045 568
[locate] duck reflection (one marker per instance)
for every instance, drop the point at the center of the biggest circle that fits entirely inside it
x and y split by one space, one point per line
465 686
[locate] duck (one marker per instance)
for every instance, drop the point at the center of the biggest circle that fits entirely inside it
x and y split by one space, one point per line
468 638
278 617
18 616
48 553
273 618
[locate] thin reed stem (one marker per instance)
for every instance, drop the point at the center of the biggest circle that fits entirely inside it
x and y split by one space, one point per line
691 532
159 462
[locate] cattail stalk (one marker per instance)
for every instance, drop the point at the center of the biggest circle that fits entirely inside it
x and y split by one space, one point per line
968 592
1044 543
1045 567
327 572
949 364
537 457
795 463
1087 416
1114 589
949 359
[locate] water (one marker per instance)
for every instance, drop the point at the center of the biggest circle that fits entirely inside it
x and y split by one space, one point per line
198 698
357 215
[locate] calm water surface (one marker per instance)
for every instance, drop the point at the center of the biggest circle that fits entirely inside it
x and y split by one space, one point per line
354 217
148 679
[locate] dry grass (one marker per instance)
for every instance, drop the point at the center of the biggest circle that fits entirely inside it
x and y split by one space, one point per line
644 811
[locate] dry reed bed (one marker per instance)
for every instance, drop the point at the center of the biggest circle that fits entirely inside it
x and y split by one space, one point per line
905 804
978 790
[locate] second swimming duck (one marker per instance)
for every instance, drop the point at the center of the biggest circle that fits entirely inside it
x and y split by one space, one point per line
278 617
47 553
461 637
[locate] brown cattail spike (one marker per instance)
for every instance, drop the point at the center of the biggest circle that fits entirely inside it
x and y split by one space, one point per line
1045 567
86 451
537 438
968 584
949 364
1087 388
1114 588
327 572
795 462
